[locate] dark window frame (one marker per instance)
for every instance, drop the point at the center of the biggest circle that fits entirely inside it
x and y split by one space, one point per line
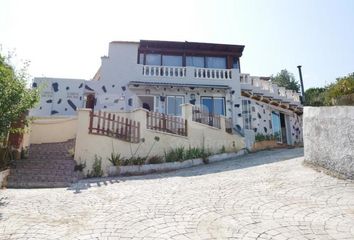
213 97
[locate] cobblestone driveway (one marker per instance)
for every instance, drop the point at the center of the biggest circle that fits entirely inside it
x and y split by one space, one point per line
258 196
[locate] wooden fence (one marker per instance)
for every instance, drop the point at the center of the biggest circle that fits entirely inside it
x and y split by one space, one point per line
112 125
198 115
166 123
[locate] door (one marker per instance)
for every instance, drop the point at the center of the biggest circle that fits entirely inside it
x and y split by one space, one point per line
283 128
147 102
276 126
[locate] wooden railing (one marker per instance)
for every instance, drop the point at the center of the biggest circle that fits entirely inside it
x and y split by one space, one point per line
112 125
166 123
228 125
198 115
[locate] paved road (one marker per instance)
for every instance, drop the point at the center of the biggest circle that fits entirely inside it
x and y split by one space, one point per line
258 196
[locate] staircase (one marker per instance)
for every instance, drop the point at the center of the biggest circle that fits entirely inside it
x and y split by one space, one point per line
48 165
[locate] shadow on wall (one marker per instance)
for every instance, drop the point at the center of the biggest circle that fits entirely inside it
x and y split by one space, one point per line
246 161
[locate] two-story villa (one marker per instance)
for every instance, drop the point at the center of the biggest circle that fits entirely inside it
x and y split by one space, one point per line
162 75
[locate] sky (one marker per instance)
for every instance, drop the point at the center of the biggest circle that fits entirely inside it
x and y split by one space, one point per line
66 38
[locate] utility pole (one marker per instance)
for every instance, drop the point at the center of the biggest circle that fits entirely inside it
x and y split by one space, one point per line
302 85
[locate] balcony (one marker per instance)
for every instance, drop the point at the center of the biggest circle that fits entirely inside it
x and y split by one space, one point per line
189 74
267 89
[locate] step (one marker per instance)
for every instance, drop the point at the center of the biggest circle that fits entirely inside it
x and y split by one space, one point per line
43 162
64 172
41 178
38 184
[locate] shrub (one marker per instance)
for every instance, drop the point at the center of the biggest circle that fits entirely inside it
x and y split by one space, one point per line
155 159
205 156
135 161
223 150
265 137
80 167
181 154
71 152
192 153
96 168
175 155
116 159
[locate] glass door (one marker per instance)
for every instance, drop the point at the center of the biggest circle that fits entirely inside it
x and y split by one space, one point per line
276 126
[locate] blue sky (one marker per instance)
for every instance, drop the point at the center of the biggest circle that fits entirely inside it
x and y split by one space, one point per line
66 38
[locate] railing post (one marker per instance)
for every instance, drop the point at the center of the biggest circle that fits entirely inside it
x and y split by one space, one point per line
91 121
186 127
126 129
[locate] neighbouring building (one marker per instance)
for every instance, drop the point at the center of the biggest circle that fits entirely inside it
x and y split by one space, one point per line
162 75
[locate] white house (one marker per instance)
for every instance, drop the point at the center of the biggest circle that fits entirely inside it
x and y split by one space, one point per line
162 75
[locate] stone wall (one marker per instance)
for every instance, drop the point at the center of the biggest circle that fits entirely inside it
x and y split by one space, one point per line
329 139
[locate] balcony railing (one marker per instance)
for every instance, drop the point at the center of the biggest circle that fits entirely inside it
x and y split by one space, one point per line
183 72
163 71
270 87
210 73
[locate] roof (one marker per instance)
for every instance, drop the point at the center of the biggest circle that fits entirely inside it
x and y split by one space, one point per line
124 42
227 49
178 84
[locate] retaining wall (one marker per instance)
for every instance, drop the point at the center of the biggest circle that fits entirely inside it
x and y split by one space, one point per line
329 139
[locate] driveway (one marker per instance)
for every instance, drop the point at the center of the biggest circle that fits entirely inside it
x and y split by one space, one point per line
266 195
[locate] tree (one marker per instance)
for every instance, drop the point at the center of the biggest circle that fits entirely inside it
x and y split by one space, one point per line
343 87
315 96
15 97
286 79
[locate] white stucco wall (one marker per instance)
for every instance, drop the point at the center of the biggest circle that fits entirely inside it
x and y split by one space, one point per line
89 145
329 138
58 97
261 115
51 130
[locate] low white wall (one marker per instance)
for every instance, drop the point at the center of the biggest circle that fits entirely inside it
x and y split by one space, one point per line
51 130
329 138
3 176
199 135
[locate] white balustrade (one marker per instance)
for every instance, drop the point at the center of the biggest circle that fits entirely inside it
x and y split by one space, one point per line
245 79
163 71
211 73
282 91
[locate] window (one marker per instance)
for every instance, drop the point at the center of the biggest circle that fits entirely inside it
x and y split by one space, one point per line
214 105
174 105
170 60
235 63
195 61
141 58
215 62
246 114
153 59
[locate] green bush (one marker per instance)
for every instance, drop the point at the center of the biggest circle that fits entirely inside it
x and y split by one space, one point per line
173 155
116 159
265 137
96 168
182 154
155 159
134 161
80 167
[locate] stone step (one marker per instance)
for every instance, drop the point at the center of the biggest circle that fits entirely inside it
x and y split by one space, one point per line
48 165
41 177
38 184
46 156
56 172
44 161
